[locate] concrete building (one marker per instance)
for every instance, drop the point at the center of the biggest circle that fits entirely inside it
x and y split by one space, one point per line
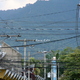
10 58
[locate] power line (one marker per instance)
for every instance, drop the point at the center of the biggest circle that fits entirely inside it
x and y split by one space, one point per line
44 42
41 62
46 14
56 22
37 34
76 28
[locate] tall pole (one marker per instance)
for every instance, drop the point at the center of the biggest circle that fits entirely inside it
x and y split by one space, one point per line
44 52
25 56
44 65
76 28
24 60
28 66
24 72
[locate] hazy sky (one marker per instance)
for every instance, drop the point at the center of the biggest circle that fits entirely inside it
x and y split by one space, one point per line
14 4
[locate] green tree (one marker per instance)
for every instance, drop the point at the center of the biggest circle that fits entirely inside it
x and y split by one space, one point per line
71 65
38 69
66 51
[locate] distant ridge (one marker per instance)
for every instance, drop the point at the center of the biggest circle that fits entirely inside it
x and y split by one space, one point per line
53 20
39 7
43 0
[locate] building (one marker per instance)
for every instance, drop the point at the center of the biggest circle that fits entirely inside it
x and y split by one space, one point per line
10 58
9 75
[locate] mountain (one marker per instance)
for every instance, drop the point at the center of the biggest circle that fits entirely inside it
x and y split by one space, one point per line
40 8
54 21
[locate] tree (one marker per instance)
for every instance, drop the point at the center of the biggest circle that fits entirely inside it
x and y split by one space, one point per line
38 69
72 65
66 51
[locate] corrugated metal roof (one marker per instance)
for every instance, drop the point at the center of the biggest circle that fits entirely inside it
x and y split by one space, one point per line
9 75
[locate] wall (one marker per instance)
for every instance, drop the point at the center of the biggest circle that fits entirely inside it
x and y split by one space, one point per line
10 58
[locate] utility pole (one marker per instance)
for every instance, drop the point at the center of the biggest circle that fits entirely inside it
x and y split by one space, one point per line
10 36
28 66
44 52
76 28
45 65
25 58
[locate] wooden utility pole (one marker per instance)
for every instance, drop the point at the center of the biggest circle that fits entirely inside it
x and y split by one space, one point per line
25 58
44 52
77 17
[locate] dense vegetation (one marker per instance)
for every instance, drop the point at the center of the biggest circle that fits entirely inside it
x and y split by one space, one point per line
68 61
72 65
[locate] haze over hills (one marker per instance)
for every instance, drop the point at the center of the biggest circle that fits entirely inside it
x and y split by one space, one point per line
43 21
40 8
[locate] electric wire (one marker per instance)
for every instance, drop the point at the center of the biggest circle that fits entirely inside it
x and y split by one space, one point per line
39 29
67 43
76 28
53 13
45 14
7 26
44 42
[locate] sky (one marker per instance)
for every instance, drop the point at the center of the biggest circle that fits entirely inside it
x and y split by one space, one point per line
14 4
